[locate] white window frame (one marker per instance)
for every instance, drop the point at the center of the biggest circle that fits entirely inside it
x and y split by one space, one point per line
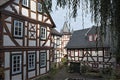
39 7
18 27
25 3
43 56
31 61
17 65
43 33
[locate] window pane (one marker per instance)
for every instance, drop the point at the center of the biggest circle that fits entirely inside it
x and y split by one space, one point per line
43 59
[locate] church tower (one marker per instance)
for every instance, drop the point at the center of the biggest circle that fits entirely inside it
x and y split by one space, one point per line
66 34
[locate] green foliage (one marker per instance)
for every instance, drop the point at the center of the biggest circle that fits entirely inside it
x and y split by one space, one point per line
64 61
84 69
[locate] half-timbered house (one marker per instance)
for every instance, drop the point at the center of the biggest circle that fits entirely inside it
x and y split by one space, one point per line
85 47
25 39
66 34
57 50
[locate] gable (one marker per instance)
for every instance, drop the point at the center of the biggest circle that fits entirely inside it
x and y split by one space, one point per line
30 11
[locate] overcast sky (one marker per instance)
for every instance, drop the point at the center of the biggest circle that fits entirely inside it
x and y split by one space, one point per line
59 19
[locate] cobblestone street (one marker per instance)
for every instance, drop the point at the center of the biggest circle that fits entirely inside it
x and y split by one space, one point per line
64 75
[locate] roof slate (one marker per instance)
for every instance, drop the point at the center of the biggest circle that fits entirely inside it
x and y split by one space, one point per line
80 39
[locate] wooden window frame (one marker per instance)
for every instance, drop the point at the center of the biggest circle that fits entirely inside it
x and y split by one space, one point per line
43 33
43 59
17 24
12 64
32 62
27 3
40 6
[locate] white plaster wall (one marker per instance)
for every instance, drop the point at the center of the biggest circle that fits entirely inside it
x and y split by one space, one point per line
100 53
26 23
100 59
76 53
38 40
16 7
25 12
100 66
7 60
8 19
37 56
84 59
39 17
7 74
9 26
24 71
33 5
76 58
80 58
25 31
48 34
94 53
31 74
8 8
48 43
47 54
7 41
80 53
95 58
48 21
17 77
38 69
16 1
42 42
33 15
48 66
42 70
24 62
38 33
48 28
19 41
90 59
25 41
32 43
44 18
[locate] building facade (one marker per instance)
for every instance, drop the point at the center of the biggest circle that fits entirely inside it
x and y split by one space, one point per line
66 34
25 39
57 50
86 48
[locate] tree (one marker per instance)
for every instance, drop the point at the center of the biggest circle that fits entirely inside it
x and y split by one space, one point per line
104 12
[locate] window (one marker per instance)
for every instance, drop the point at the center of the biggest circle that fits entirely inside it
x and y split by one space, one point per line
18 28
16 64
90 38
43 33
58 41
39 7
31 61
42 59
25 3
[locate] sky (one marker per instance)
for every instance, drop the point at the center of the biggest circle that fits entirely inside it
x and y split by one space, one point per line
59 17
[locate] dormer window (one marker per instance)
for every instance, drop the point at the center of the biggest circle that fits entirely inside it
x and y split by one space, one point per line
39 7
90 38
25 3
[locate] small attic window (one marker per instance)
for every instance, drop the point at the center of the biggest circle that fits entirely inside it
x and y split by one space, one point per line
39 7
25 3
90 37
